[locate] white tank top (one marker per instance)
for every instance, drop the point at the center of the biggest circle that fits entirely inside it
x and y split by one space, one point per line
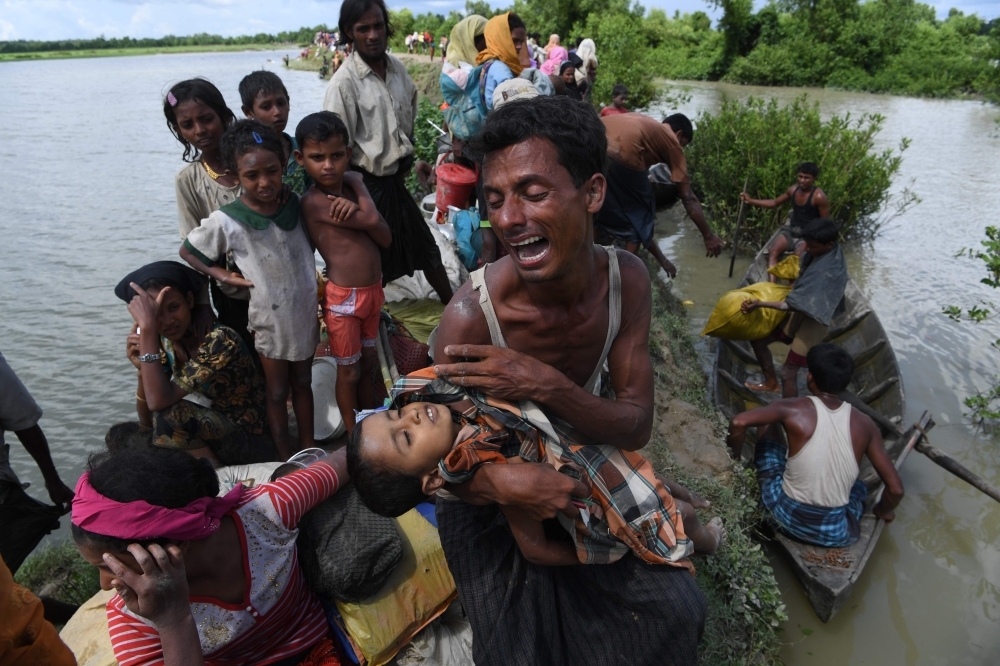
824 470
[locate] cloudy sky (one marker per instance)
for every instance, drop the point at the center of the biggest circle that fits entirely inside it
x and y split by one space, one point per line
67 19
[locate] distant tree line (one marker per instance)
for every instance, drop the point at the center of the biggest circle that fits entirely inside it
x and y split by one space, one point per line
300 36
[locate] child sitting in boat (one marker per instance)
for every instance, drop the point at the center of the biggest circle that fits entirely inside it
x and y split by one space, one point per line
271 248
815 298
437 433
202 579
348 238
808 203
812 487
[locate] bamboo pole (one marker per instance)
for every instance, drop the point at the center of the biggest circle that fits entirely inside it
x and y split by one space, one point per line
951 465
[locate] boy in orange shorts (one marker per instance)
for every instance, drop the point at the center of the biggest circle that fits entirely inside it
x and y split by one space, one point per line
348 235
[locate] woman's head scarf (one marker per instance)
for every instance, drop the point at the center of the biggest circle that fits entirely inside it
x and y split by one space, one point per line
587 51
462 43
553 41
174 273
499 45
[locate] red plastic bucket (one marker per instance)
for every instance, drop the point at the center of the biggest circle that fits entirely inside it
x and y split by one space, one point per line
455 184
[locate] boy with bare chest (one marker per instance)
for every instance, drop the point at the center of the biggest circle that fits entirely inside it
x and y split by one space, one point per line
348 238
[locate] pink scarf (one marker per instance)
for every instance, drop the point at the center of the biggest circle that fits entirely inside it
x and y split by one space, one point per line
140 520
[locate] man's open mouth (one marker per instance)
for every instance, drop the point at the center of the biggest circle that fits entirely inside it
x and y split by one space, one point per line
530 250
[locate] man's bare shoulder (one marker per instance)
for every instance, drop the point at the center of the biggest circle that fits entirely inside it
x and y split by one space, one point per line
820 196
862 425
636 285
462 322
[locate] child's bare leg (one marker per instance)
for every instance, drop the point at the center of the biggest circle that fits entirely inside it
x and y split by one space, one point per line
366 396
276 379
302 401
680 492
348 377
706 538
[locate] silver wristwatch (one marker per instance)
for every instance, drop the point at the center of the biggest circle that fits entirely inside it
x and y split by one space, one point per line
149 358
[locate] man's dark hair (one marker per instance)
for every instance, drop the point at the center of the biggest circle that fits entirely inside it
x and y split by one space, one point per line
352 11
243 136
619 89
319 127
680 123
261 82
385 491
822 230
198 90
157 475
514 22
809 168
831 367
572 126
558 84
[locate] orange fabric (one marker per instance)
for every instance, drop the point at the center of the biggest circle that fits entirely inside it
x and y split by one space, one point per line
352 317
324 654
499 45
26 639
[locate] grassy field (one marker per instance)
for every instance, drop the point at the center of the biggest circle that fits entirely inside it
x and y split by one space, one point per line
110 53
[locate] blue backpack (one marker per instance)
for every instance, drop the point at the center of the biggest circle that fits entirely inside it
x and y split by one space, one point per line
466 112
468 237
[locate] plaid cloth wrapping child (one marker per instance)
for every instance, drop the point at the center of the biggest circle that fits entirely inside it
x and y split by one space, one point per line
629 508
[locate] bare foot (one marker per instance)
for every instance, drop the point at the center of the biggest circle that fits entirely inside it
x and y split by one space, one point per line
718 530
697 501
766 387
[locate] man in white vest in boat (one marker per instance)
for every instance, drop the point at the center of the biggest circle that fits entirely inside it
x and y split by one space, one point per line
811 486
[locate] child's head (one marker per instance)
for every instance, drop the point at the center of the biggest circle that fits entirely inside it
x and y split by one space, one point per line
567 72
619 95
392 456
820 235
197 116
253 153
324 148
265 98
830 368
159 476
808 172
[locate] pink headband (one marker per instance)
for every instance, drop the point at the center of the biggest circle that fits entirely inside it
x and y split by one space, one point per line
140 520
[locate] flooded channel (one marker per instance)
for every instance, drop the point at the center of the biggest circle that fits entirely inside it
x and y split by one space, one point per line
87 194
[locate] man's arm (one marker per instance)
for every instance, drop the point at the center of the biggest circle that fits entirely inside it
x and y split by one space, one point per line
713 244
625 422
773 413
750 305
822 204
893 492
35 444
768 203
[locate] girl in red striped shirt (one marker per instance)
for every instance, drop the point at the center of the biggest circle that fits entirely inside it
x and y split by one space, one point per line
202 579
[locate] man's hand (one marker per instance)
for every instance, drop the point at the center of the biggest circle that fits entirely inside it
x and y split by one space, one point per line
132 346
59 493
880 512
500 372
744 197
160 593
341 208
713 245
202 319
535 488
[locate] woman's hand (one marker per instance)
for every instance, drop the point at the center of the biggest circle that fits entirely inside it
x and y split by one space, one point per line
749 306
132 346
144 308
160 594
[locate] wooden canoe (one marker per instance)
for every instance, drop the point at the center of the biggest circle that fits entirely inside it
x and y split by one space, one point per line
828 575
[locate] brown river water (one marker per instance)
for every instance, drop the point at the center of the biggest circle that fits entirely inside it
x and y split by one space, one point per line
87 195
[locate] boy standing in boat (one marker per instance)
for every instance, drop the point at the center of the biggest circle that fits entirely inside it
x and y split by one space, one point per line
349 238
812 487
815 298
808 203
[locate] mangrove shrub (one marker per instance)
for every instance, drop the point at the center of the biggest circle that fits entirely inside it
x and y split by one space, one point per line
762 143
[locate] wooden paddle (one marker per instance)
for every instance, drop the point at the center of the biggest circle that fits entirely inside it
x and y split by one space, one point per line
739 223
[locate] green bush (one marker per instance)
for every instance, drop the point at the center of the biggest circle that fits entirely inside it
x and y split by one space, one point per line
623 56
59 572
764 143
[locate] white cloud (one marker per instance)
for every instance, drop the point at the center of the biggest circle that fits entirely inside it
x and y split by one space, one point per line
7 30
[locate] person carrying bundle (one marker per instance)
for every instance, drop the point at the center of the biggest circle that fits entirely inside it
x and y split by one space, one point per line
813 300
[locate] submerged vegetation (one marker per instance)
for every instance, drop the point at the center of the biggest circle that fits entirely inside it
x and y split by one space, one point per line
762 143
